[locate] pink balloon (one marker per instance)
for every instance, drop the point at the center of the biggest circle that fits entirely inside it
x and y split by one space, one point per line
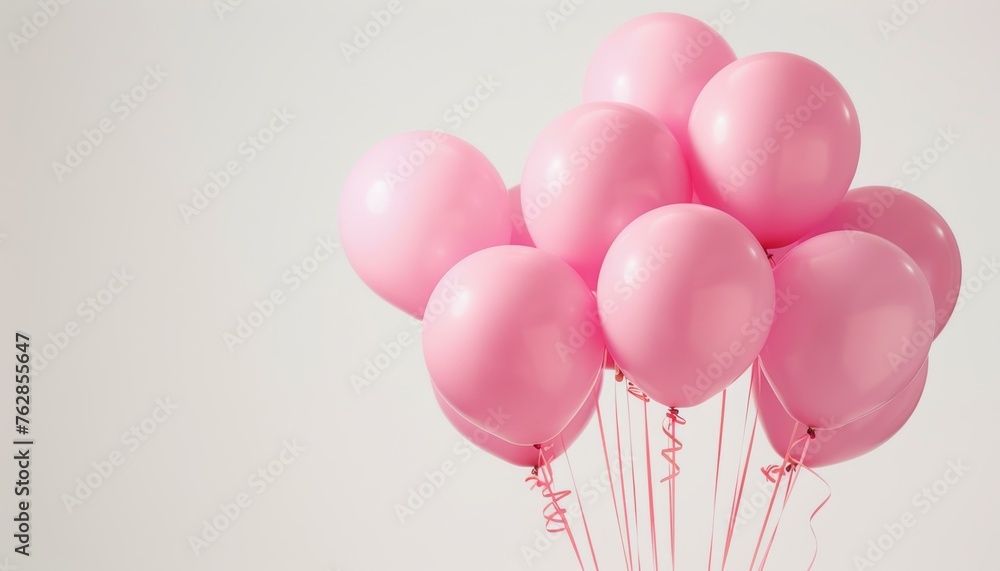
516 346
517 454
590 173
914 226
685 296
841 444
609 363
519 230
412 207
855 328
660 63
775 142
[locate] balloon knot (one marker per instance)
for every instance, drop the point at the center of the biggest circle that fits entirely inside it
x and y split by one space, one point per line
811 433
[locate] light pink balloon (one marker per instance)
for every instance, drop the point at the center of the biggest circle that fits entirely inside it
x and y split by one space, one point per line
857 326
840 444
516 346
660 63
911 224
519 230
412 207
775 142
686 295
517 454
590 173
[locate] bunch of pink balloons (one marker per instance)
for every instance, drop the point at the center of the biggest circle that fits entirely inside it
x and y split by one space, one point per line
690 219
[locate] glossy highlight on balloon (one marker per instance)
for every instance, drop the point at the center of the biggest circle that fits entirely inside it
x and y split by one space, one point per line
775 141
591 172
858 328
516 347
682 294
659 63
412 207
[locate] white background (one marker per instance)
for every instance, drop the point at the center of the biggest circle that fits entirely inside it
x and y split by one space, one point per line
332 507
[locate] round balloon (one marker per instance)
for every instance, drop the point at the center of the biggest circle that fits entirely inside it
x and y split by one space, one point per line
660 63
517 454
840 444
412 207
857 327
590 173
514 344
914 226
687 297
775 142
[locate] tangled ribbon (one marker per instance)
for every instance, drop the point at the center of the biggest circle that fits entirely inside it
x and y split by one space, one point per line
637 392
670 422
541 477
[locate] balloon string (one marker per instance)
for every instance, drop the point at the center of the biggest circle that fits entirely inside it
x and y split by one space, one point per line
649 486
669 425
740 479
829 494
579 498
793 477
619 377
635 500
715 490
555 516
639 394
611 483
774 494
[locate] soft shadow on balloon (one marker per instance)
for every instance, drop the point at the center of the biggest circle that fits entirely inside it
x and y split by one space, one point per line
857 327
850 441
516 337
517 454
909 223
678 289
